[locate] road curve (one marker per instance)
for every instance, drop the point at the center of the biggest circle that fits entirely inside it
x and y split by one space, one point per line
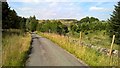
46 53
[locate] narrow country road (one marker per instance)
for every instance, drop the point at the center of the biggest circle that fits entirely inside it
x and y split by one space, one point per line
47 53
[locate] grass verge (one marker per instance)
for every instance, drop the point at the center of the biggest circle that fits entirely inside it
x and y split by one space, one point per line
96 38
89 56
15 48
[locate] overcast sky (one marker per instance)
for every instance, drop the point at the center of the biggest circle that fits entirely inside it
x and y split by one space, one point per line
59 9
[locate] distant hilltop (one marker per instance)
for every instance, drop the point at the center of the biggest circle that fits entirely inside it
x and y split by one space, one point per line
61 20
67 19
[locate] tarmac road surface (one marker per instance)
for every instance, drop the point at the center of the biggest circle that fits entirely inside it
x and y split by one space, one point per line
46 53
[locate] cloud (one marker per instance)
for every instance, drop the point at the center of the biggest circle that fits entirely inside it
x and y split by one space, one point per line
25 9
40 13
53 4
97 9
56 10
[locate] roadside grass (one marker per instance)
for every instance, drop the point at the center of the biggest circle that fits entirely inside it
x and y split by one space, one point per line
96 38
89 56
14 48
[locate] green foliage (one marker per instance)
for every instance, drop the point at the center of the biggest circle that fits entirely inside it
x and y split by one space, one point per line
5 10
73 28
53 27
22 24
92 26
98 38
10 19
15 40
31 23
115 23
88 20
88 23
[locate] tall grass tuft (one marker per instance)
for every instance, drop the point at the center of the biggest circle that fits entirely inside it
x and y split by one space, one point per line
14 48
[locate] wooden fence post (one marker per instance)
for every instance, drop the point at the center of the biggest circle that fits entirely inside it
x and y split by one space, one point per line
68 37
110 52
112 45
80 37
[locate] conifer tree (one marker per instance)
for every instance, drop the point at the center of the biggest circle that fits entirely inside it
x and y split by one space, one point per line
115 23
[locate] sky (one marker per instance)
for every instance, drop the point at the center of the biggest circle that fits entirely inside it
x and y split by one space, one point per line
63 9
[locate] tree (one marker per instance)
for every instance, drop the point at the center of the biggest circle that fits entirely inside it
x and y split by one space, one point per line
10 19
93 19
85 20
88 20
5 13
31 23
13 19
34 23
53 27
114 23
22 23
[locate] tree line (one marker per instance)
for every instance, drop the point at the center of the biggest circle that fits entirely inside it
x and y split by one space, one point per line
10 20
88 24
53 27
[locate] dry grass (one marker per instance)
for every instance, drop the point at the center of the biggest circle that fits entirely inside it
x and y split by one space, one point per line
14 48
91 57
